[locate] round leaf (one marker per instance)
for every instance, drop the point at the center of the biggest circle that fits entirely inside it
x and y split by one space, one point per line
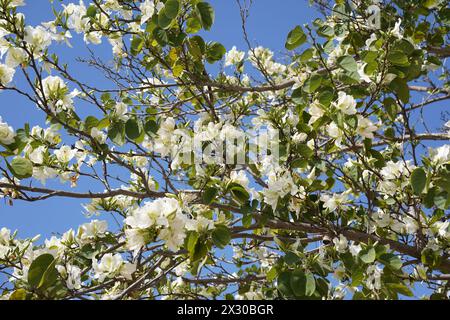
21 168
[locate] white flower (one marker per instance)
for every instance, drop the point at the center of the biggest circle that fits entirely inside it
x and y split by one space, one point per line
278 186
7 133
121 110
443 228
239 177
15 57
38 38
92 230
362 73
98 135
6 74
365 127
440 155
127 270
299 137
5 236
53 86
382 219
199 224
77 19
165 216
73 280
147 9
410 225
94 37
234 57
165 134
346 103
339 272
335 201
65 154
153 213
174 235
108 265
341 244
396 32
335 133
136 239
112 265
372 39
315 111
16 3
373 281
37 155
43 173
393 170
354 249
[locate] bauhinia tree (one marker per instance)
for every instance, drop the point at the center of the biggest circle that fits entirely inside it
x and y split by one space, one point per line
352 203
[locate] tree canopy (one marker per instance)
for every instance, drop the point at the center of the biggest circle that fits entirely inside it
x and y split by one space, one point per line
352 204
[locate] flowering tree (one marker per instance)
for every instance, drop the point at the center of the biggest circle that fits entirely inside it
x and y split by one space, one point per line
353 203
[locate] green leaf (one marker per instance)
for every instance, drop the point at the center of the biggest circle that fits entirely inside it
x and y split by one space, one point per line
221 236
247 220
199 252
193 25
418 180
90 123
284 284
50 276
21 168
42 271
441 199
271 274
348 63
151 127
398 58
305 151
239 193
368 255
299 163
116 133
192 241
296 38
291 258
310 284
171 8
400 87
163 20
312 84
209 194
326 31
136 45
391 260
215 52
132 129
400 288
206 13
19 294
91 11
431 258
197 47
302 284
160 36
